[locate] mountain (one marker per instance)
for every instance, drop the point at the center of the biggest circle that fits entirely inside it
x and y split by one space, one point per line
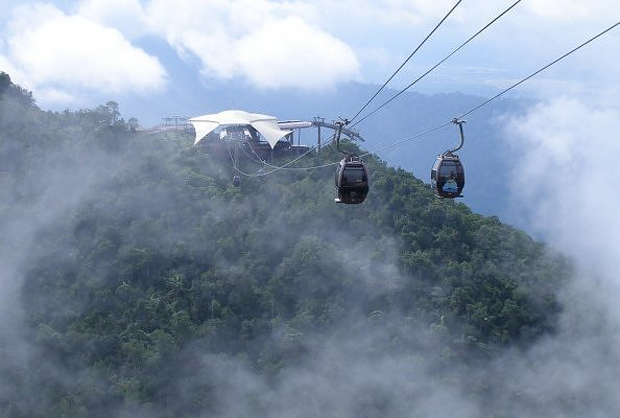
487 155
137 281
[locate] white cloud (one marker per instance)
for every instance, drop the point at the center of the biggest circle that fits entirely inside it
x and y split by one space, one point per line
54 95
574 10
127 16
69 54
354 39
6 66
395 14
568 174
266 43
292 53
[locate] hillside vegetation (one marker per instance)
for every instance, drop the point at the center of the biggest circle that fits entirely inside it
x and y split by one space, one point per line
148 284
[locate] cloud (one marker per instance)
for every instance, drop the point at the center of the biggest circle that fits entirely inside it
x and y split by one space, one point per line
127 16
292 53
70 54
274 44
573 10
267 44
370 14
5 64
565 175
346 376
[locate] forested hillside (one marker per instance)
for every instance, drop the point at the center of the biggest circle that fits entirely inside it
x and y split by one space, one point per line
146 285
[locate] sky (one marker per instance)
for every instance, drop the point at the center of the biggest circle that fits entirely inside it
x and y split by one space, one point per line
71 53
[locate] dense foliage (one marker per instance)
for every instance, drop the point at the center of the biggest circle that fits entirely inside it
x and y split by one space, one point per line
147 272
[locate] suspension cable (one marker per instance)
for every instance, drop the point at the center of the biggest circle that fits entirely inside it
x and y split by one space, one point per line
486 102
539 71
438 64
438 127
256 160
411 138
285 166
407 60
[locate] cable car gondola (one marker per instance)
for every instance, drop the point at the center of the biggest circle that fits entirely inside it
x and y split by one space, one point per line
448 174
351 179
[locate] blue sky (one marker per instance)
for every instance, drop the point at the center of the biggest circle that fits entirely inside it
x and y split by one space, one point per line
69 53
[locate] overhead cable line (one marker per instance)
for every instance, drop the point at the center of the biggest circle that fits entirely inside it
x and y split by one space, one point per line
486 102
438 64
411 138
251 157
260 160
285 166
445 124
407 60
539 71
266 164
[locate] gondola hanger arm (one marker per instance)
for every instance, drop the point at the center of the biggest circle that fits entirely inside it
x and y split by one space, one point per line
339 125
460 123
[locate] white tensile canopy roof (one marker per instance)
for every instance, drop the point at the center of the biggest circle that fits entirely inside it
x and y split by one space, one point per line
267 126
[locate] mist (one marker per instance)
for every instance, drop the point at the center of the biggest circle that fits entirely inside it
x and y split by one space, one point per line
45 177
563 179
565 155
383 348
